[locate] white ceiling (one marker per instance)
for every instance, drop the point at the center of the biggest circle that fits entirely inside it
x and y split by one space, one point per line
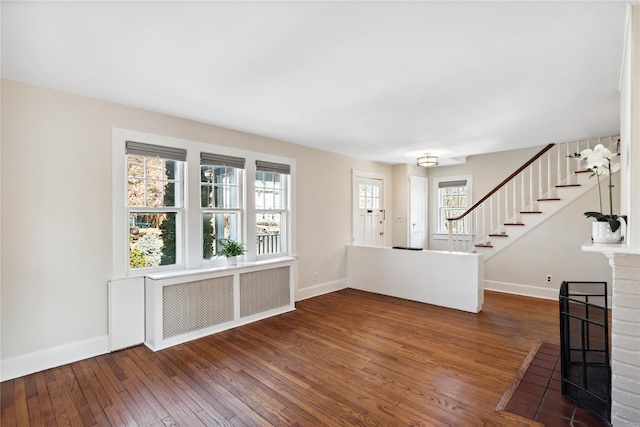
386 81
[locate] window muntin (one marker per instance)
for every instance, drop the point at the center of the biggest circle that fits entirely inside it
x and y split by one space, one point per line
221 203
452 202
368 196
272 204
220 186
154 209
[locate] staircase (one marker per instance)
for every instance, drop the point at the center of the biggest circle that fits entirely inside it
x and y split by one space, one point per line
537 190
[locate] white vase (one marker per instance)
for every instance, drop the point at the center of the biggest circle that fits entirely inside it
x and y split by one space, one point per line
601 233
232 260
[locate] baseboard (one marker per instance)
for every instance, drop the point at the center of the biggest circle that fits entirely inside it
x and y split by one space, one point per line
524 290
51 358
325 288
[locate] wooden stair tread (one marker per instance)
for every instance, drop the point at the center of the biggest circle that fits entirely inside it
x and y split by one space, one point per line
530 212
499 235
483 246
567 185
513 223
547 200
583 171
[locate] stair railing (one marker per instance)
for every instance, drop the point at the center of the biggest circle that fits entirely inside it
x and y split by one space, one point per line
520 194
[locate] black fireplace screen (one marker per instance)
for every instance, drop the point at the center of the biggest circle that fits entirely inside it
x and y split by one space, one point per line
584 346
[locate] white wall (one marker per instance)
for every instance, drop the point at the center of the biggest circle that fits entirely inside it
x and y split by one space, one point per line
56 213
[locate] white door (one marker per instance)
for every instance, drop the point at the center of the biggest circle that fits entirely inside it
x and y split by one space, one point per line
418 212
369 212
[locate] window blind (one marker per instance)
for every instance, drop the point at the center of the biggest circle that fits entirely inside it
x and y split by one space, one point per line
150 150
272 167
221 160
447 184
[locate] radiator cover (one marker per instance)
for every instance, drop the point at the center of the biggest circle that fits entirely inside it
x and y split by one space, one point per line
182 307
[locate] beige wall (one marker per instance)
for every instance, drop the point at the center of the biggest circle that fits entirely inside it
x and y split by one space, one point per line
56 209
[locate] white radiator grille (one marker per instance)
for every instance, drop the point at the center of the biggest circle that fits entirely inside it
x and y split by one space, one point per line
190 306
264 290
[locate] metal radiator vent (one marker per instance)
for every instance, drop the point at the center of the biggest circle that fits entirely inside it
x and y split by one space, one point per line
191 306
264 290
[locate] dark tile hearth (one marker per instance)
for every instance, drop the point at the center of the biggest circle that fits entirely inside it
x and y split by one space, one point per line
538 395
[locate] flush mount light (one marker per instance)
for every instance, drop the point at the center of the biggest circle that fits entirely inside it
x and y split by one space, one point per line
427 161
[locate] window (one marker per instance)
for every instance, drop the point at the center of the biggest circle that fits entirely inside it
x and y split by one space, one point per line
174 201
453 200
221 201
154 204
272 205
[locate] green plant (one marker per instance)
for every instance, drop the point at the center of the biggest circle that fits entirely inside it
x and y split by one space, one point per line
137 258
229 248
599 163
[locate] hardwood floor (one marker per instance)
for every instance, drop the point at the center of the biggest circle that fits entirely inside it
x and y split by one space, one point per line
345 358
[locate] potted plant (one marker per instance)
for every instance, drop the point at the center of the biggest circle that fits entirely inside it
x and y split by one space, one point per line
231 249
606 229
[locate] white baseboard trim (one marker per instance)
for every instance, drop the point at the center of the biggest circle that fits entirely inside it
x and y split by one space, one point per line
325 288
53 357
524 290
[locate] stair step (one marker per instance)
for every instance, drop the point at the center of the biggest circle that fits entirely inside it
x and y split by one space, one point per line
499 235
530 212
583 171
547 200
567 185
483 246
513 223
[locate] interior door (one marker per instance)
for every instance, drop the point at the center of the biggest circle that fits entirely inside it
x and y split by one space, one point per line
370 214
418 212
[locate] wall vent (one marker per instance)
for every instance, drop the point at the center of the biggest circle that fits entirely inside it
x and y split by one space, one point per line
264 290
191 306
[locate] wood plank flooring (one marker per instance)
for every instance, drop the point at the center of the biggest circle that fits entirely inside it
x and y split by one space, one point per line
345 358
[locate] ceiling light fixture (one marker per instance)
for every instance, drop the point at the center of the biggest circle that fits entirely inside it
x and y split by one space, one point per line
427 161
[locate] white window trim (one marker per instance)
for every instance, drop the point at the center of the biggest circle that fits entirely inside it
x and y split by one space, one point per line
192 241
437 234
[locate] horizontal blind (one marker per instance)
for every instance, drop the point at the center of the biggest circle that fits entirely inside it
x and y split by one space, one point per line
272 167
447 184
150 150
221 160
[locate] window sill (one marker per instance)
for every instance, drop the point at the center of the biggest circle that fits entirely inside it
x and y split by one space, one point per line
219 268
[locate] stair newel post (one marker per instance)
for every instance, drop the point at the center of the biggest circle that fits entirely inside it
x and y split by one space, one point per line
450 223
568 164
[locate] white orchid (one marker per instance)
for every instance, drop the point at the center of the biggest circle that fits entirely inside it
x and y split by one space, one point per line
599 163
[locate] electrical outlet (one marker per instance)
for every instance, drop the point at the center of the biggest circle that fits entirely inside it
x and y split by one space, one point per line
315 277
549 279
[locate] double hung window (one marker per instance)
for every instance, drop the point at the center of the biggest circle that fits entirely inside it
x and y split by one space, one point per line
452 202
221 201
272 207
155 204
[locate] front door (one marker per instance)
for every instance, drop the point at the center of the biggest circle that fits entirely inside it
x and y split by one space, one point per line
369 212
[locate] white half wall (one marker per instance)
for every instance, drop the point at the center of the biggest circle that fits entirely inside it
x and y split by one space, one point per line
447 279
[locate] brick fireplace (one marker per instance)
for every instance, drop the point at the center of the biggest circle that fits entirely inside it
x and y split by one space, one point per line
625 331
